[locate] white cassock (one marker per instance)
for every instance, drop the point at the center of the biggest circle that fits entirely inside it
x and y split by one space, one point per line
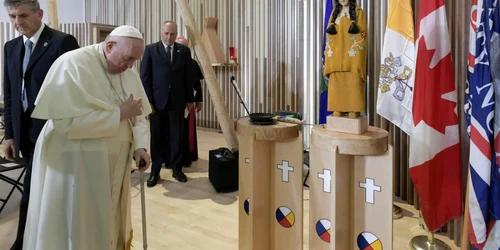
80 185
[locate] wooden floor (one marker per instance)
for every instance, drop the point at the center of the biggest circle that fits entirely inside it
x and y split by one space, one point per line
185 216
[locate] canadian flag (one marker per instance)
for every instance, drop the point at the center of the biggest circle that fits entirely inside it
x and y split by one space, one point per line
434 143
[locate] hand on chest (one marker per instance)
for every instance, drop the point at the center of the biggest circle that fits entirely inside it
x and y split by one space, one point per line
117 90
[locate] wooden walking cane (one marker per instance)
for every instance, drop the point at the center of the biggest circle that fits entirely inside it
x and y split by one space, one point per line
142 164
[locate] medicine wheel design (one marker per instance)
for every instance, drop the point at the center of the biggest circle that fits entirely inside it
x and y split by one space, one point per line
368 241
323 228
285 217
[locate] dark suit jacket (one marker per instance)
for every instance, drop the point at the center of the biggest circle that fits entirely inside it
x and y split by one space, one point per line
50 46
158 76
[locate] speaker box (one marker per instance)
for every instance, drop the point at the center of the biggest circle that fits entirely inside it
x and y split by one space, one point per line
223 170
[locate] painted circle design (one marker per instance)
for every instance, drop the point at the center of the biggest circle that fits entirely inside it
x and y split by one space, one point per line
246 206
285 217
368 241
323 228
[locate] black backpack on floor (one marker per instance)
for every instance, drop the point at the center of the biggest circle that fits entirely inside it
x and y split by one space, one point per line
223 170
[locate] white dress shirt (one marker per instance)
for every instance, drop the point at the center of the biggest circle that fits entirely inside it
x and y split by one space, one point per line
35 37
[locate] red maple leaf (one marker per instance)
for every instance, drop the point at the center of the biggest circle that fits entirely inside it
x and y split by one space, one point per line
430 85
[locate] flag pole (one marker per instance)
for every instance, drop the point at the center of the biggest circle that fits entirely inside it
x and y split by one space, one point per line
465 242
427 242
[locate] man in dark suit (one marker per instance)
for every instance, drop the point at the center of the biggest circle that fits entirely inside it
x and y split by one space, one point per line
27 60
167 78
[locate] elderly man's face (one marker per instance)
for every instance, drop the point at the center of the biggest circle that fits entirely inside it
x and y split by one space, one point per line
26 20
122 54
169 33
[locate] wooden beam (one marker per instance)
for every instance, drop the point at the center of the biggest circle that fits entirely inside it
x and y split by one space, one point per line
209 75
53 18
465 241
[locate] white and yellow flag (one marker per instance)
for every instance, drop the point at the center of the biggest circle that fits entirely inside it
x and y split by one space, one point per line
395 92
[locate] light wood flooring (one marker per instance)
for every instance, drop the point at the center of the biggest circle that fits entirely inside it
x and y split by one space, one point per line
185 216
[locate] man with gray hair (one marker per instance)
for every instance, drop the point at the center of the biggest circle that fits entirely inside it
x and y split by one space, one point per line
80 195
27 59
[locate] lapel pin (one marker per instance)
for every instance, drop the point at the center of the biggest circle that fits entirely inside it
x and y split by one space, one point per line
45 44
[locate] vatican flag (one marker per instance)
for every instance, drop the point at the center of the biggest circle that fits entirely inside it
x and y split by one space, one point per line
395 92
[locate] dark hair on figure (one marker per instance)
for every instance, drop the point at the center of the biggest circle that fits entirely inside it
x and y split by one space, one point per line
353 29
35 5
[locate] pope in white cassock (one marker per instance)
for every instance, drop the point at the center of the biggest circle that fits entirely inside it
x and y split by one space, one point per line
96 106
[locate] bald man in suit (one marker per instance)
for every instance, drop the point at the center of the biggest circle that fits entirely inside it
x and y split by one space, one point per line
167 78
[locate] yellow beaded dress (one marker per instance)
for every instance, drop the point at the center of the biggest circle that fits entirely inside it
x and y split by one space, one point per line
345 64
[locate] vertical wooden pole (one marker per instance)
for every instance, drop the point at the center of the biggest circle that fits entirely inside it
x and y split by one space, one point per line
209 75
465 241
53 18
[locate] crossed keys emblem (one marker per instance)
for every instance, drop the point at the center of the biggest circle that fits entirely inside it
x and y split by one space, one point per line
389 75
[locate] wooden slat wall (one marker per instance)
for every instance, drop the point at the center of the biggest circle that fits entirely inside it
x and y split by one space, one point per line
81 31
